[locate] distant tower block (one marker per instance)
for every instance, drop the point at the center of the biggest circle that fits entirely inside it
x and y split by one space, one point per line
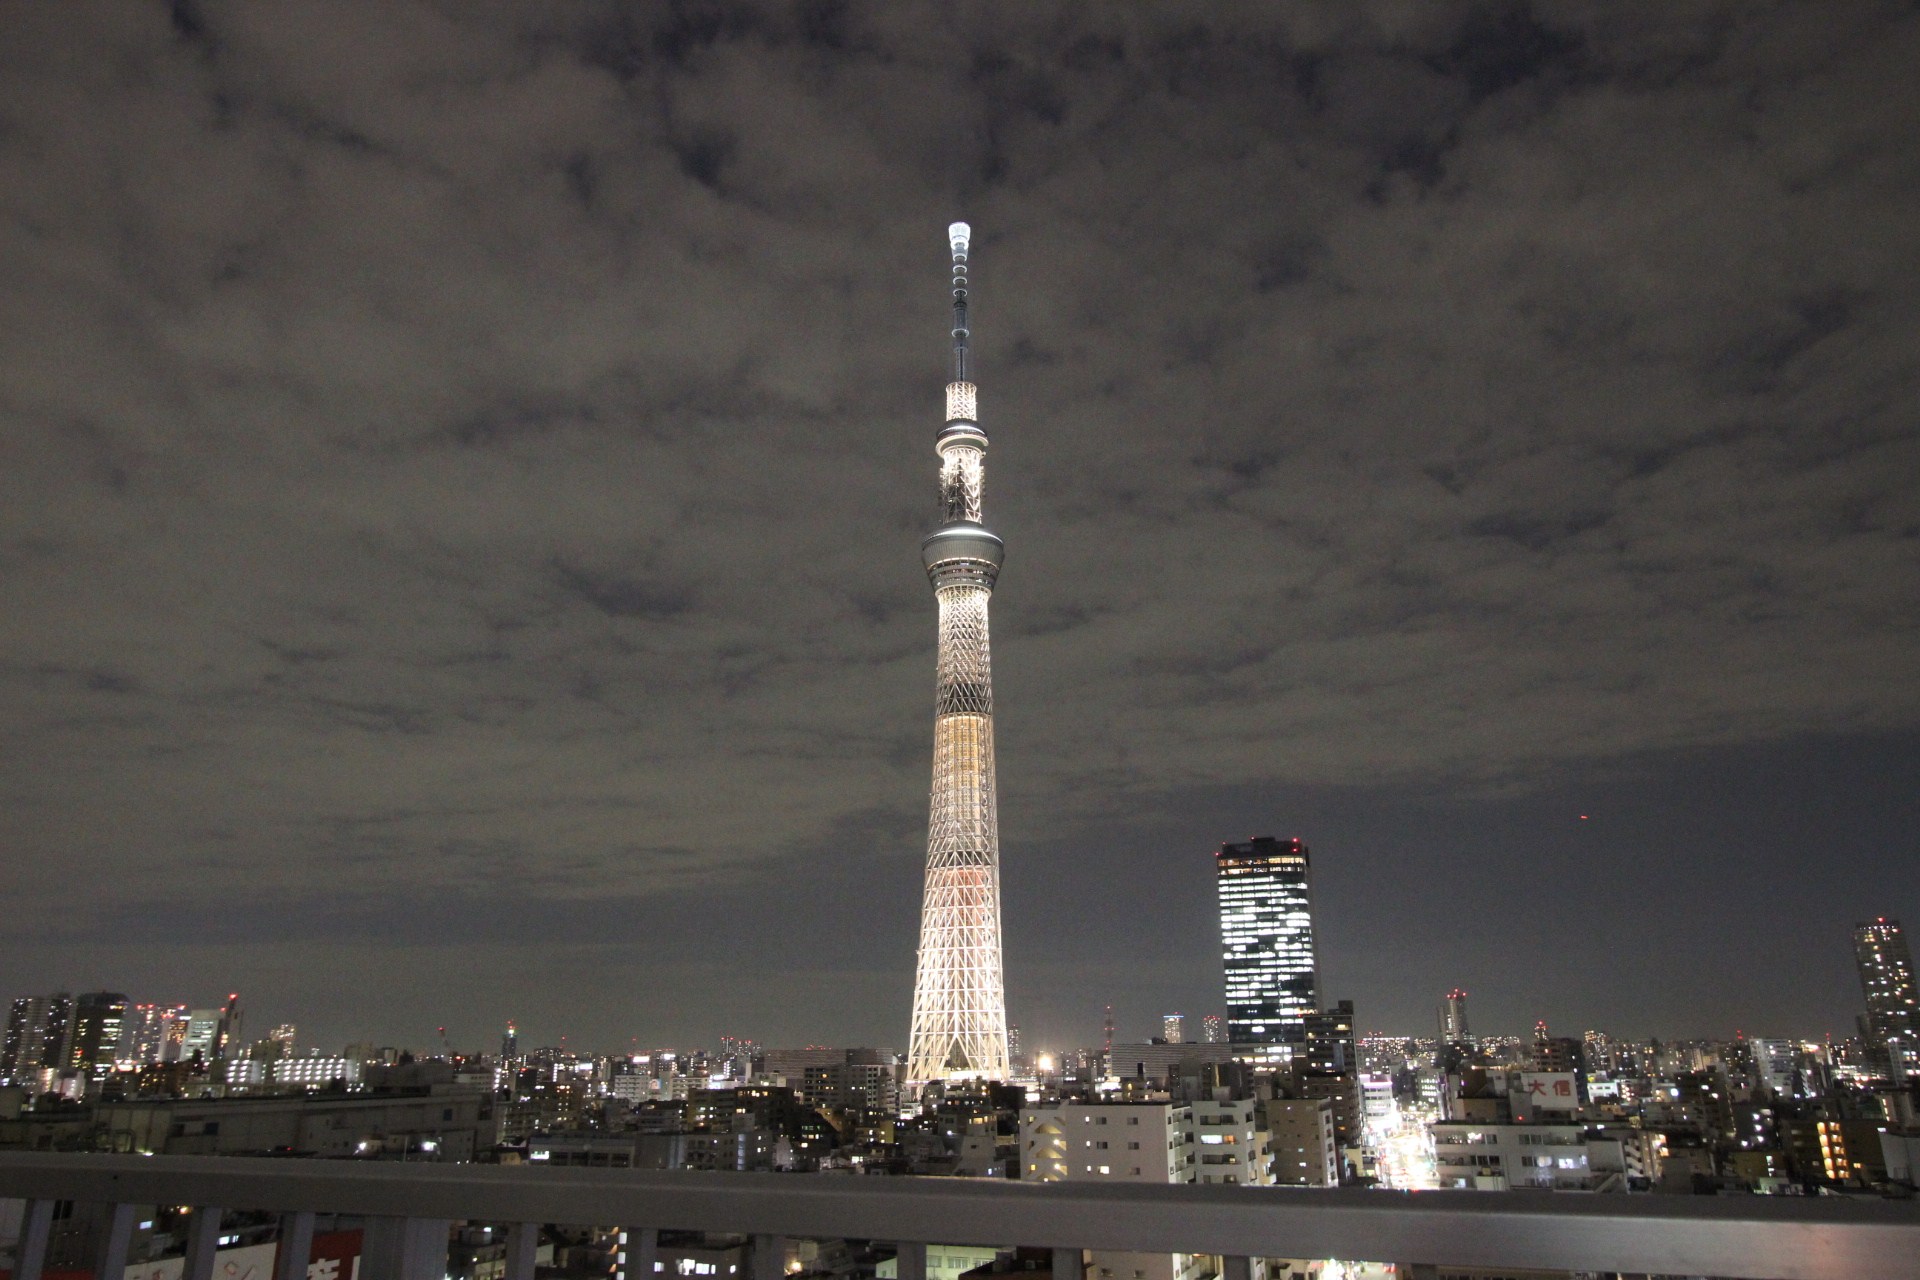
959 998
1453 1017
1892 1024
1173 1028
1266 942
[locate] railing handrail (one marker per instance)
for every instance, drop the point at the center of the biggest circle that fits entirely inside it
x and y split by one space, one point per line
1792 1238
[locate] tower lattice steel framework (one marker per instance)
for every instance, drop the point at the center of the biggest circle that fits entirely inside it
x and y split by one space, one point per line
959 1000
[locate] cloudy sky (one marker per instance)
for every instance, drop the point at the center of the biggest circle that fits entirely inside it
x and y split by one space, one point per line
464 464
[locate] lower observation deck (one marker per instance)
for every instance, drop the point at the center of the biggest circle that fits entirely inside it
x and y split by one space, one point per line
408 1209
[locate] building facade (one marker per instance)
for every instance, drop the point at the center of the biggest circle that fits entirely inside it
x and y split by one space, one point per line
1231 1145
1301 1138
1503 1157
99 1021
1885 962
38 1039
1116 1142
1266 940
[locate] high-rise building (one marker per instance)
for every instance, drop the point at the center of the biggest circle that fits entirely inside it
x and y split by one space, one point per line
1173 1028
1776 1063
959 998
1892 1023
1213 1029
39 1037
156 1032
1266 938
203 1036
510 1042
99 1019
1453 1017
1328 1040
212 1034
1327 1065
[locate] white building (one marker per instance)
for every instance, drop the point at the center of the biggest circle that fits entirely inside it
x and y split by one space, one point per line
1774 1062
202 1036
1232 1147
1117 1142
1378 1110
632 1086
1501 1157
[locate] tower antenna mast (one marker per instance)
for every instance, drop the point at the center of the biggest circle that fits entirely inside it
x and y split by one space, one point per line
959 999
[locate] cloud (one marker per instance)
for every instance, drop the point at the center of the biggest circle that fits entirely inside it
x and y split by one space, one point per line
486 446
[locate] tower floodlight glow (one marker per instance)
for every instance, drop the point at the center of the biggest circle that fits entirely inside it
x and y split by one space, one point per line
959 1000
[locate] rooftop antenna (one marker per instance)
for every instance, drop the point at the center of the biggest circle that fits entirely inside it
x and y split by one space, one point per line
958 235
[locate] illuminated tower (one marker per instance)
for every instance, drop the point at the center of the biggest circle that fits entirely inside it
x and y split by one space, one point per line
1266 943
1892 1024
959 1001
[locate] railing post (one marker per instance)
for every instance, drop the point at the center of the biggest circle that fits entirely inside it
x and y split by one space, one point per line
911 1259
404 1249
116 1235
523 1241
769 1261
36 1228
1069 1264
203 1241
643 1250
295 1250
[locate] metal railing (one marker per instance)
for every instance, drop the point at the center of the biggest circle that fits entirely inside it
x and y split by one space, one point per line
409 1208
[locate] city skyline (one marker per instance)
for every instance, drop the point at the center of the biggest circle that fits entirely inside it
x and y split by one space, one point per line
457 552
1883 965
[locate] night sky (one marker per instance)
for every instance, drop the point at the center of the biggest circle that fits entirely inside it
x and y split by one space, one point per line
463 466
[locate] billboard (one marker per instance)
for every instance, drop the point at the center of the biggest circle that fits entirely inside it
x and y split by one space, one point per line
1548 1091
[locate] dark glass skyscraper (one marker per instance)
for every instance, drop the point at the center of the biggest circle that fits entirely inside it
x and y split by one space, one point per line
1266 943
1886 980
99 1020
1453 1018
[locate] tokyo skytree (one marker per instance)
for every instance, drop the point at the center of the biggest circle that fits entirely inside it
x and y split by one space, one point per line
959 1001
